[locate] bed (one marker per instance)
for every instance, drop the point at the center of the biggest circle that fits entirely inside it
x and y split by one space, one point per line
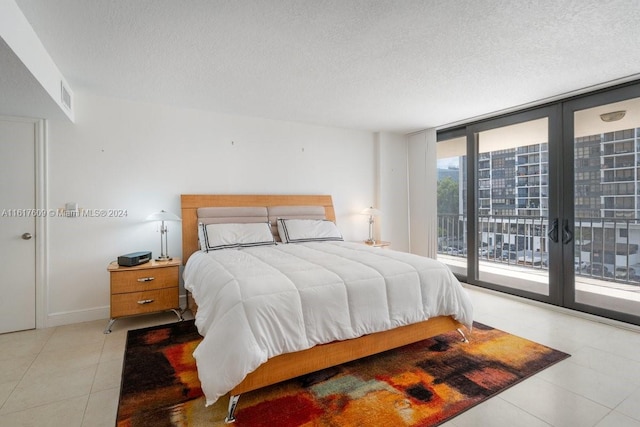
313 326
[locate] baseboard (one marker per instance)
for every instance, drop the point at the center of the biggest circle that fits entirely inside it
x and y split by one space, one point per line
78 316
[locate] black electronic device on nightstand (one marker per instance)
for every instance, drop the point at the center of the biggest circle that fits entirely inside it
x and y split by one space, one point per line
134 258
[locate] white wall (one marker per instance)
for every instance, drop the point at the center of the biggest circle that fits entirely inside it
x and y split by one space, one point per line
392 192
141 157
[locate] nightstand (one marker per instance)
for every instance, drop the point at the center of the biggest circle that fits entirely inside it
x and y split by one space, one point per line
378 244
143 289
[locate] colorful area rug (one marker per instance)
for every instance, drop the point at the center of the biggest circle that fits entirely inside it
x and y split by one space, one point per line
423 384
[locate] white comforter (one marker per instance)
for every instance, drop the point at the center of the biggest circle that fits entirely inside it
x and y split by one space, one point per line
259 302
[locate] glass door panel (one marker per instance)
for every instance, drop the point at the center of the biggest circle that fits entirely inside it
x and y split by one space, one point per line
512 206
548 203
452 212
606 186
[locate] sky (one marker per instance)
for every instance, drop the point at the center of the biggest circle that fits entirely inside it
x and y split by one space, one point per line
449 162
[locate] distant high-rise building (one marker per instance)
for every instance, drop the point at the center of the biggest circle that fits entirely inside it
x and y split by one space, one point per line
516 181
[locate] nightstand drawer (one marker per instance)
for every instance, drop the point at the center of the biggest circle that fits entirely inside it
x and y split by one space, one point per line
144 279
144 302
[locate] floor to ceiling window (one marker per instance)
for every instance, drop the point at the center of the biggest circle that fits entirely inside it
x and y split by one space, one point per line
452 212
605 137
512 208
548 202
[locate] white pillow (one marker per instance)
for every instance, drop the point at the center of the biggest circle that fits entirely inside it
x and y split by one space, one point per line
232 235
307 230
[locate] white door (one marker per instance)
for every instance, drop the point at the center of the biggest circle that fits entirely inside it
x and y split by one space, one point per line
17 225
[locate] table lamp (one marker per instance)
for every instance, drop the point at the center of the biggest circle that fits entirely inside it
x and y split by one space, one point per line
371 211
163 216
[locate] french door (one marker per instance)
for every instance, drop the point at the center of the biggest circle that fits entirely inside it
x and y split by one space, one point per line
513 164
601 161
548 203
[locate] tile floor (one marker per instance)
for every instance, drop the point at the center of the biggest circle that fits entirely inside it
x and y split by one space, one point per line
70 375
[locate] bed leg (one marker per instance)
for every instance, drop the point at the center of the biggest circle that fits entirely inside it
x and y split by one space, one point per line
233 404
464 337
178 313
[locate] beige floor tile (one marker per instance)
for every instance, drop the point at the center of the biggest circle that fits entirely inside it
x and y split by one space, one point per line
606 362
622 342
65 359
496 412
49 388
14 369
80 334
5 391
32 335
631 406
66 413
102 408
553 404
108 375
114 346
616 419
601 388
23 344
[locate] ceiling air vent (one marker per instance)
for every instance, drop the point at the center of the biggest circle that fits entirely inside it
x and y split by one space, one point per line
65 96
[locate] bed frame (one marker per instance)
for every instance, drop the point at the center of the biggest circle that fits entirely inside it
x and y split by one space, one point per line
291 365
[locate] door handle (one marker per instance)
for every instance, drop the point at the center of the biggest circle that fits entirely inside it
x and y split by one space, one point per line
26 236
553 231
567 235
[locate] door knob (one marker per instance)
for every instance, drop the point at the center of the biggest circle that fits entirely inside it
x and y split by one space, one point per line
567 235
553 231
26 236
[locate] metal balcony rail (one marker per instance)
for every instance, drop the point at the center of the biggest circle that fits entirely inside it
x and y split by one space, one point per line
604 248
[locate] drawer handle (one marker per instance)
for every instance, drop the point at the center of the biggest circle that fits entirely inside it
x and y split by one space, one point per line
145 301
146 279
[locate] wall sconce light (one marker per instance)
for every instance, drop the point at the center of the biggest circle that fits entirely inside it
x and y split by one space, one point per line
613 116
163 216
371 211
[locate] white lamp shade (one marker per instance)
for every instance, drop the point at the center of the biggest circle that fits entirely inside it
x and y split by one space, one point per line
371 211
163 216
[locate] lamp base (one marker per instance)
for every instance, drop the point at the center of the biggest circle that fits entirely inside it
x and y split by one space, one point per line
370 242
164 258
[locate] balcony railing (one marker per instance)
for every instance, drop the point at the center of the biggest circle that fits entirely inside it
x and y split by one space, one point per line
604 248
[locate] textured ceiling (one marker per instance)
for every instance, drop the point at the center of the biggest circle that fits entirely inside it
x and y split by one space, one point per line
395 65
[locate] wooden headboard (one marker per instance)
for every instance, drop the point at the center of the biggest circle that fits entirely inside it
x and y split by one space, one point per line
191 202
